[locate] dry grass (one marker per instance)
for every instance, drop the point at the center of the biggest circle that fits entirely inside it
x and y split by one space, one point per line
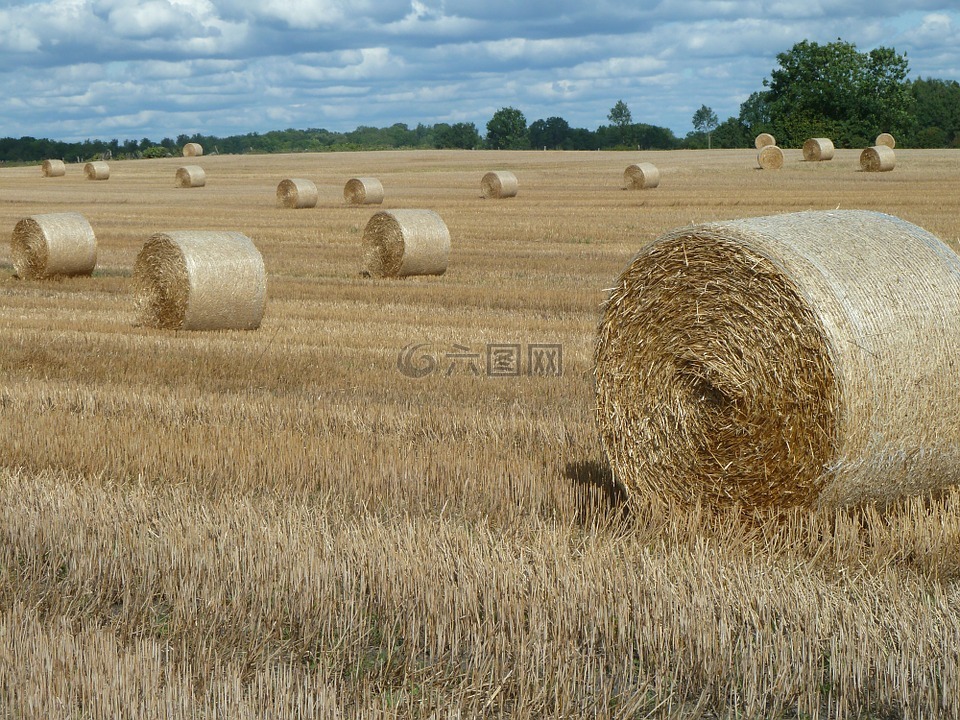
280 524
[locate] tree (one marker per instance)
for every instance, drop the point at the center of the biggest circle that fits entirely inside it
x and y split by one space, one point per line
550 133
459 135
705 121
621 116
507 130
936 108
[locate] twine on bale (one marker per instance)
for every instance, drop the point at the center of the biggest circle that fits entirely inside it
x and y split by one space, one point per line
200 280
499 184
818 149
641 176
53 168
97 170
363 191
770 157
878 158
794 360
192 149
399 243
764 139
885 139
297 193
53 244
191 176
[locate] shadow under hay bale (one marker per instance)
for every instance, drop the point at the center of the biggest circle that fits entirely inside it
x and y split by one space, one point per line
499 184
818 150
764 139
192 150
53 244
878 158
642 176
297 193
794 360
98 170
770 157
200 280
191 176
363 191
400 243
885 139
53 168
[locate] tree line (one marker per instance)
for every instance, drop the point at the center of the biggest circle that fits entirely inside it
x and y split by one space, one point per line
830 90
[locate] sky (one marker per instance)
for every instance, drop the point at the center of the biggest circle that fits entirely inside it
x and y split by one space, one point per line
132 69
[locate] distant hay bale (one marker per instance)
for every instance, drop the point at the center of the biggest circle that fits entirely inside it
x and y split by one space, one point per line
805 359
200 280
878 158
192 150
398 243
499 184
297 193
764 139
818 149
363 191
191 176
770 157
53 168
641 176
53 244
97 170
886 139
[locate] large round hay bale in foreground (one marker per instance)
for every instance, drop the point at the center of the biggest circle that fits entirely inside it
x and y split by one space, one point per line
191 176
805 359
97 170
499 184
399 243
642 176
818 150
770 158
878 158
297 193
764 139
200 280
53 244
53 168
192 149
363 191
885 139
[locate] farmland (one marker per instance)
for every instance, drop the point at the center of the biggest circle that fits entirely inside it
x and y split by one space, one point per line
284 523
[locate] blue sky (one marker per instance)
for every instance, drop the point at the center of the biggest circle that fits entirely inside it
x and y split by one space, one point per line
128 69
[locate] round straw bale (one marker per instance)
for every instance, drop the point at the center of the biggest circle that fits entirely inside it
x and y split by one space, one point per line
878 158
53 168
200 280
297 193
192 150
53 244
886 139
398 243
191 176
793 360
641 176
764 139
499 184
818 149
97 170
363 191
770 157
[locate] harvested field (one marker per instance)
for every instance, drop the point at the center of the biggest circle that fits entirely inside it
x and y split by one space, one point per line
288 523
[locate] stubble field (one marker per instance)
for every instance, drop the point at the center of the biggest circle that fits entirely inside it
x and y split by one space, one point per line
281 523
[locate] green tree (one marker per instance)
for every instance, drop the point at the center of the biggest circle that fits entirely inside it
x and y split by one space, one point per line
622 118
507 130
459 135
550 133
705 122
936 112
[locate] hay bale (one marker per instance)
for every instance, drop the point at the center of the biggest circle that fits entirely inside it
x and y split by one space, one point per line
878 158
886 139
499 184
764 139
793 360
770 158
641 176
398 243
297 193
53 244
191 176
192 150
363 191
200 280
53 168
818 149
97 170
